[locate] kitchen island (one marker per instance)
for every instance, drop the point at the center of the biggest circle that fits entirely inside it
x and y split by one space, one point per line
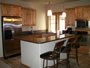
32 47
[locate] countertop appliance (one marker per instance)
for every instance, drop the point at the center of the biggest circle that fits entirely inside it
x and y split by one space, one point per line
11 28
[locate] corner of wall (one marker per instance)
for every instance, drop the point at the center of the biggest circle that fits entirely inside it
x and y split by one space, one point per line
1 48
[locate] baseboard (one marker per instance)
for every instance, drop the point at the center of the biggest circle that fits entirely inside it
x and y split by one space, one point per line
1 57
25 65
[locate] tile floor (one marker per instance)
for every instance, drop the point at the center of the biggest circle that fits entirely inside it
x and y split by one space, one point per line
84 60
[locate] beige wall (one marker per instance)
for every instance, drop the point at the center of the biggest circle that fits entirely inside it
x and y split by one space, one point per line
1 51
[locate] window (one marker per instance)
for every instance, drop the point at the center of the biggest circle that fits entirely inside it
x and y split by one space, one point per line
61 23
53 24
56 22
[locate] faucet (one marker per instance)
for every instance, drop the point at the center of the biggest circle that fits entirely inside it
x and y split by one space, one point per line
31 29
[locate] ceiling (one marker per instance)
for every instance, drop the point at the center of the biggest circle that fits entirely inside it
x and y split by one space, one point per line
51 1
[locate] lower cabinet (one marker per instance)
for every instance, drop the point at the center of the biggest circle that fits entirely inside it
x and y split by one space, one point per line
12 45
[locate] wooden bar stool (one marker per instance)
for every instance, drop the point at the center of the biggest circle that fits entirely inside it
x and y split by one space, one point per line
55 54
74 43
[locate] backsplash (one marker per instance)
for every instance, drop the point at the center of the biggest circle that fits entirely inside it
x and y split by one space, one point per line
28 28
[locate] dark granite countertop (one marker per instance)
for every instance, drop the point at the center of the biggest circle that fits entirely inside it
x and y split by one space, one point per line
43 38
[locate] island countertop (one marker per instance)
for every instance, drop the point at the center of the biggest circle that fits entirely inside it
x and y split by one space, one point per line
43 38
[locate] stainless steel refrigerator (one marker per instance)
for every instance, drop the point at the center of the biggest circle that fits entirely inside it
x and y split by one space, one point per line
11 28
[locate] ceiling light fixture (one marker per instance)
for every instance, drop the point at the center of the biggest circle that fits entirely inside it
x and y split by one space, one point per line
64 13
49 12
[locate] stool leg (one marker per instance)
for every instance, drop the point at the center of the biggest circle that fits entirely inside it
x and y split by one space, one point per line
46 63
43 62
57 63
68 63
54 63
77 56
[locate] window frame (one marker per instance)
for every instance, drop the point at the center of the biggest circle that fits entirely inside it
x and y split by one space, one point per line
56 21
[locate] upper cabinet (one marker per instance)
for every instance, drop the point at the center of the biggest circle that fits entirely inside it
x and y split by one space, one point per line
11 10
79 12
86 12
82 12
70 18
29 16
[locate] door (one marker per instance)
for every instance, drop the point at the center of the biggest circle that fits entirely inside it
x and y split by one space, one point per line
56 23
61 24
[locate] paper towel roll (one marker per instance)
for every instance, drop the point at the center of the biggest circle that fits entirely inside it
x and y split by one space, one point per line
58 33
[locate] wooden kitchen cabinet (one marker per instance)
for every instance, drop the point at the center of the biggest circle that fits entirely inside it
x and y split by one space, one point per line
79 12
82 12
11 10
13 45
86 12
28 16
70 18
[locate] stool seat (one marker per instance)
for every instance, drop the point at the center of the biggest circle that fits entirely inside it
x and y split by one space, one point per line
49 55
74 45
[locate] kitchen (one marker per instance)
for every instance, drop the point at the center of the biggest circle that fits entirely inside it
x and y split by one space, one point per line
40 13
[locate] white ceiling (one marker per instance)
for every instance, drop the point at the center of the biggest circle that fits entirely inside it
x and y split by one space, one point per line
51 1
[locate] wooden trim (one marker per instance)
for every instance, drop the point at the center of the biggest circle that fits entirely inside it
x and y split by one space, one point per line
25 65
16 5
83 6
57 13
28 8
57 22
10 4
1 57
82 29
49 20
78 7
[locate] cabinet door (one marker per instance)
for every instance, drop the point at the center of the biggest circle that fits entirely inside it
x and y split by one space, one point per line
11 10
79 12
23 15
29 17
83 12
70 17
86 12
33 17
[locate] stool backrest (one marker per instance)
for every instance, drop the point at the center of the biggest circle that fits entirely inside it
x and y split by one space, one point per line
58 46
74 39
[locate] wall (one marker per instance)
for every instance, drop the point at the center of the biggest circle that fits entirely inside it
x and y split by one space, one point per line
1 51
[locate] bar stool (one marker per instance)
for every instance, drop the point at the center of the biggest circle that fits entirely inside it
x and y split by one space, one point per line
74 43
55 54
